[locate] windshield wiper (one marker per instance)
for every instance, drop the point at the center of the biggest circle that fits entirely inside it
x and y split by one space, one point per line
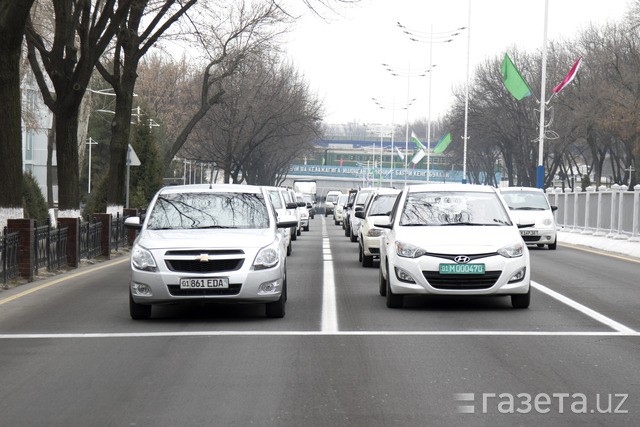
214 226
528 208
463 223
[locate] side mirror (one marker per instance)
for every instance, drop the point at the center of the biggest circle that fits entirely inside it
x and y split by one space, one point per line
359 214
359 208
287 221
554 208
383 222
133 222
301 204
292 205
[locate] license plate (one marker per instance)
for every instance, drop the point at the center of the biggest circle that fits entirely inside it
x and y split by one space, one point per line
461 268
204 283
528 232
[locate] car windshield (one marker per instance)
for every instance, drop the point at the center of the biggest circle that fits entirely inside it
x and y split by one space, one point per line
209 210
382 205
332 198
342 199
526 200
362 197
453 208
276 201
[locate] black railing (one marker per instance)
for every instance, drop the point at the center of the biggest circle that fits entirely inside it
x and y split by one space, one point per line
49 247
9 255
118 235
90 238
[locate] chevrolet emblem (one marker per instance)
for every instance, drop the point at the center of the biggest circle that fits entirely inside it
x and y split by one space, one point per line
203 258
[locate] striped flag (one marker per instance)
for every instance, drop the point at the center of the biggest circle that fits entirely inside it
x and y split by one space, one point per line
416 141
400 153
569 77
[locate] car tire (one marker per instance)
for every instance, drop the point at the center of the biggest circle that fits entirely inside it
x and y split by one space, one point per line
276 309
521 300
347 228
289 249
299 231
138 311
553 245
353 237
359 253
335 221
382 283
367 260
306 228
294 234
393 300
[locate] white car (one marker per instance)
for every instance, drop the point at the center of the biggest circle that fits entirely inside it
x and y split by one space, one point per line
338 209
276 195
292 209
529 205
452 239
380 205
202 243
330 200
362 198
304 212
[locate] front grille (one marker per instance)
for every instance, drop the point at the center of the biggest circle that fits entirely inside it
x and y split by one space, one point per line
211 266
461 281
531 238
174 290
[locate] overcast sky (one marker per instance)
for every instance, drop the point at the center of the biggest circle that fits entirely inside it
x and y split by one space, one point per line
341 59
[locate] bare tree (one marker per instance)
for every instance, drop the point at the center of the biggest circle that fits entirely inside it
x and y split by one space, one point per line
83 30
13 19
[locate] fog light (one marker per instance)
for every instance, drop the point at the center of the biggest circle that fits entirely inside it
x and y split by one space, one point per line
140 289
268 288
403 276
519 275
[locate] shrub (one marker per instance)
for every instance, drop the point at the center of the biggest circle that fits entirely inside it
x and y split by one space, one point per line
34 205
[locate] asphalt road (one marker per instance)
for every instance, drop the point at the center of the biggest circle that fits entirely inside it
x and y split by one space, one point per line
71 356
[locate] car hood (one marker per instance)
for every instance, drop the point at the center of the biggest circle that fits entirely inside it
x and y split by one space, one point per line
208 238
530 217
459 238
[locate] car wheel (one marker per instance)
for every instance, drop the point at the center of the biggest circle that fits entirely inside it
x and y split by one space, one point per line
353 237
521 300
299 231
275 310
289 249
347 229
294 233
367 260
359 253
393 300
382 283
306 228
335 221
138 311
553 245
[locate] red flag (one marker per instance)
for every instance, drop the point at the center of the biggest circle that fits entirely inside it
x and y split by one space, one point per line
572 73
340 162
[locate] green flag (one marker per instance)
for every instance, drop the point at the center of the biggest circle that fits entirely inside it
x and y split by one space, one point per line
442 144
513 81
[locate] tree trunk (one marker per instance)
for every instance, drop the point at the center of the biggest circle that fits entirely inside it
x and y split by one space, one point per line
66 124
119 143
13 18
51 138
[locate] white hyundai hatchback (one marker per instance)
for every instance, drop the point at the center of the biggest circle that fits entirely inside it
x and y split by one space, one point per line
206 243
452 239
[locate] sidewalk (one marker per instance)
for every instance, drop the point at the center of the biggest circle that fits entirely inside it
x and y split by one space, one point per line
603 243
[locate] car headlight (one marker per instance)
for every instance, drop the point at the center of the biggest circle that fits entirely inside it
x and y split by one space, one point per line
374 232
142 259
407 250
547 222
514 250
267 257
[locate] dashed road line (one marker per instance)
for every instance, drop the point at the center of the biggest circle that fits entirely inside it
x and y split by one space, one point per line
329 322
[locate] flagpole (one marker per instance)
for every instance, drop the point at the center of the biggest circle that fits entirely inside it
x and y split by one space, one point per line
466 101
406 141
540 171
429 114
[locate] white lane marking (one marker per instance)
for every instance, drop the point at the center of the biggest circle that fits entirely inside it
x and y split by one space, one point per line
329 309
584 309
322 333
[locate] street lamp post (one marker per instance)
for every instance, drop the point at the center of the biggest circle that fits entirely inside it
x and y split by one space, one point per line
90 142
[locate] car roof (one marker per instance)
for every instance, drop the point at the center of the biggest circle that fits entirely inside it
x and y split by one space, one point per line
518 189
415 188
213 188
385 190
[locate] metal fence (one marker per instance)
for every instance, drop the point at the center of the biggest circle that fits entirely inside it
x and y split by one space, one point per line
9 255
49 247
612 212
90 238
118 234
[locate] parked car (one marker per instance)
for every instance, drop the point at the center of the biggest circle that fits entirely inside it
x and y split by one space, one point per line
452 239
529 205
380 205
348 208
330 200
311 204
292 209
204 243
338 209
304 212
354 222
278 202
